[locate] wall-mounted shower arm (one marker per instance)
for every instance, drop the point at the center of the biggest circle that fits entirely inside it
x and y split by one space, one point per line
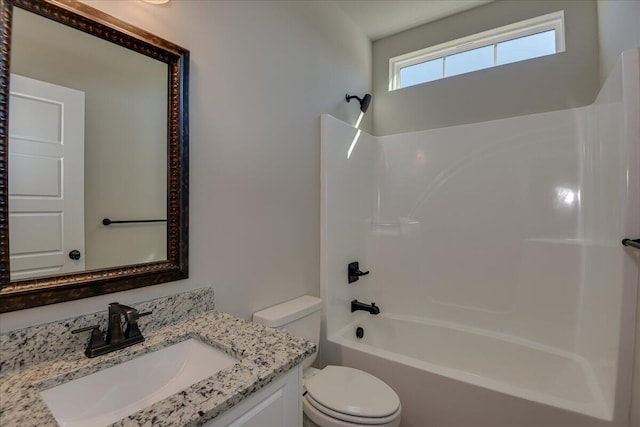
632 243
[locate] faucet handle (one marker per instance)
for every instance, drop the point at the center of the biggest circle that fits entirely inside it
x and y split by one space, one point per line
88 328
97 337
133 330
354 273
135 315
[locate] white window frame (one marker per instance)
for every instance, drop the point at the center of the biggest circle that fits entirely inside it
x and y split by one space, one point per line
540 24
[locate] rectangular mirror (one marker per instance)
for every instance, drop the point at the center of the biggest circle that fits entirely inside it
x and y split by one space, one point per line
95 154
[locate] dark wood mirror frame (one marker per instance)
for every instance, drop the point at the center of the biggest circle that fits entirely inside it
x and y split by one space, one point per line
26 293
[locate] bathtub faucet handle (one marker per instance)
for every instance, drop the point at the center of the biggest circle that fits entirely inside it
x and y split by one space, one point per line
354 272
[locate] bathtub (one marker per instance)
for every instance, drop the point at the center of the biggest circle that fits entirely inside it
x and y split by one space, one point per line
510 227
498 380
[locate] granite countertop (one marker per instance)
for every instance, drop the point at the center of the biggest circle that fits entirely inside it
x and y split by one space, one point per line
263 353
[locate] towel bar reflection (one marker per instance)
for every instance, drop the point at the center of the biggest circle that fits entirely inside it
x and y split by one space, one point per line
107 221
632 243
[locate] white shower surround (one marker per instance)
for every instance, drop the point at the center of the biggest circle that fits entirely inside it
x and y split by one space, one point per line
508 230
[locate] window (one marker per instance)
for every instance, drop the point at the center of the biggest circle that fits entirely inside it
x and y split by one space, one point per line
523 40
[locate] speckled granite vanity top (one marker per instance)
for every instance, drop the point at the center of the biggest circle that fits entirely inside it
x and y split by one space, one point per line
263 353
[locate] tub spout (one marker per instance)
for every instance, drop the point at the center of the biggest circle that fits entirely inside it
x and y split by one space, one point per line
371 308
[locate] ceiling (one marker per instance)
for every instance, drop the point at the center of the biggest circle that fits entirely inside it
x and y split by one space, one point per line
381 18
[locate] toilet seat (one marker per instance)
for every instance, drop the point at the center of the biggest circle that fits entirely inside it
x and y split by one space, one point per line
352 395
310 405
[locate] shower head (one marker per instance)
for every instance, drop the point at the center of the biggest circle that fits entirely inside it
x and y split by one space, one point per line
364 101
364 104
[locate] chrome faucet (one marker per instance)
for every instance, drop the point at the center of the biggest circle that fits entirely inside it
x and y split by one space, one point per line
371 308
116 337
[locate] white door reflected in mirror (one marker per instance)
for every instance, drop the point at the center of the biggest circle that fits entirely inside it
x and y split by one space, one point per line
46 178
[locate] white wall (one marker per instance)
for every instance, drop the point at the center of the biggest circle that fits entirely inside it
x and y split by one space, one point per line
472 226
347 205
619 29
554 82
262 73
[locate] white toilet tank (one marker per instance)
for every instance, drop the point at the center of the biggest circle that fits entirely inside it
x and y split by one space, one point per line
299 317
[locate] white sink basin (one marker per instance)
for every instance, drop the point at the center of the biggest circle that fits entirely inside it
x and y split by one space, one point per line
109 395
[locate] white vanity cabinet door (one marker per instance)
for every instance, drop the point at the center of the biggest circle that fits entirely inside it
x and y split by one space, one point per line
277 405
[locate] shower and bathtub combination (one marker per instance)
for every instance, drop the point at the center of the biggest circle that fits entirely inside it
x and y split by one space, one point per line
494 252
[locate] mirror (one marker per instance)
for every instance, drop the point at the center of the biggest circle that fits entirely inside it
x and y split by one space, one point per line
94 155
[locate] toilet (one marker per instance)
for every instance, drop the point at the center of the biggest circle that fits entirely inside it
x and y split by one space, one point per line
336 396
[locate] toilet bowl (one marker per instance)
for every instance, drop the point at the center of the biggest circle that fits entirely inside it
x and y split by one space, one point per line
336 396
340 396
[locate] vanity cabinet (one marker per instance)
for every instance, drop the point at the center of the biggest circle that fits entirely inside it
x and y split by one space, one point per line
278 404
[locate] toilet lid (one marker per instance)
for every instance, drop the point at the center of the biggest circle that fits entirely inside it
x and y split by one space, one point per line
353 392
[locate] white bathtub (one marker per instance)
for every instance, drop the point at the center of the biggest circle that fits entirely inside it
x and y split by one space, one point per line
509 226
410 353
